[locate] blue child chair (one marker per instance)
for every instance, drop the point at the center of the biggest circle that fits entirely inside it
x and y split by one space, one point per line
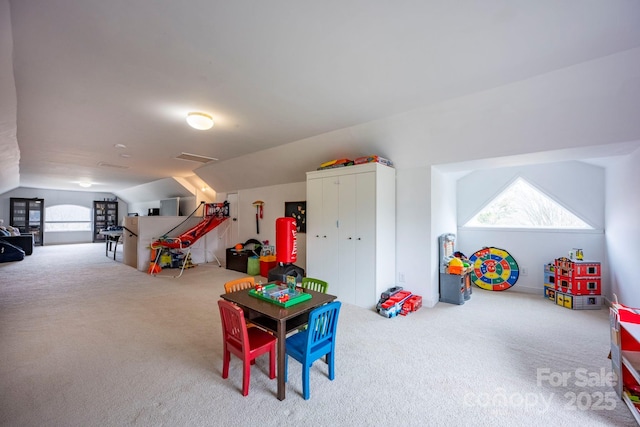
318 340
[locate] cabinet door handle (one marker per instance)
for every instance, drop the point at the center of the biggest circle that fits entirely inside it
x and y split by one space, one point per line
349 238
359 238
324 237
317 235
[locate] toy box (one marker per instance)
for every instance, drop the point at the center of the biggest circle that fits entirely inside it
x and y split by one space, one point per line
331 164
392 306
267 263
373 159
413 303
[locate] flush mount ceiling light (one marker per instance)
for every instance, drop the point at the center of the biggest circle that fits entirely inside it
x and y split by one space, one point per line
84 184
200 121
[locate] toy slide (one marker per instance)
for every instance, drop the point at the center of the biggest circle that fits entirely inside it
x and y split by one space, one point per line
190 236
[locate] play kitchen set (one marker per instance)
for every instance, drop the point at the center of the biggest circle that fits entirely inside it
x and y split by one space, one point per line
573 282
455 272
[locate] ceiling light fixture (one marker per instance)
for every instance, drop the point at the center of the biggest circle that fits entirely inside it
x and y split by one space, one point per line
84 184
200 121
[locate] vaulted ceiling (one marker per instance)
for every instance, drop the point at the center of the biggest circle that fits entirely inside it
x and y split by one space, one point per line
97 91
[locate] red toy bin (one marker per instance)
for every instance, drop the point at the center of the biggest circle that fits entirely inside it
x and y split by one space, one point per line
267 263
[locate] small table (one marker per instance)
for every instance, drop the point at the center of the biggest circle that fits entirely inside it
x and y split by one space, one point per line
112 236
278 320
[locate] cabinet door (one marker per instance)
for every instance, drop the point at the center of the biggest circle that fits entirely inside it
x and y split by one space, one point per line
112 214
322 209
365 240
357 201
36 220
347 236
329 235
314 228
99 220
19 215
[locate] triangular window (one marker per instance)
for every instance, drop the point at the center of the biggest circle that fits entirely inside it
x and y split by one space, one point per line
521 205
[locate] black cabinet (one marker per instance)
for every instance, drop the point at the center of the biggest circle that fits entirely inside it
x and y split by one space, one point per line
27 215
105 214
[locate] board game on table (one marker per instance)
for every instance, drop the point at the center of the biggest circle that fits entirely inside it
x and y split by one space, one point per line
279 294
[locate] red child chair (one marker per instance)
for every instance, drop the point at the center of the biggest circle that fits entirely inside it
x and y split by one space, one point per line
246 343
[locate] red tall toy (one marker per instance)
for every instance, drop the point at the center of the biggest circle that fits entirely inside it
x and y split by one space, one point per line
286 240
286 252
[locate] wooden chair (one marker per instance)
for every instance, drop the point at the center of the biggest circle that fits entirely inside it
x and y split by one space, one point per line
246 343
239 284
314 284
317 341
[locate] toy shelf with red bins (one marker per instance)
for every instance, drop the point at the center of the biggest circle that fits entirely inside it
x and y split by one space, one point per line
625 355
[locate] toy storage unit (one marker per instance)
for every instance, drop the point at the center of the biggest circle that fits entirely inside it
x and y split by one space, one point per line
454 288
573 284
237 260
245 260
625 354
577 277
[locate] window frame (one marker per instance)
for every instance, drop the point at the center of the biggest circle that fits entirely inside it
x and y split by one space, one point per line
48 223
591 230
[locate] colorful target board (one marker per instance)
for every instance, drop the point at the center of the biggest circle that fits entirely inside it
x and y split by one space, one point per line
494 269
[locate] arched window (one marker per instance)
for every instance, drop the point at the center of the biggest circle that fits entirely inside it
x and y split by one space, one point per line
67 218
521 205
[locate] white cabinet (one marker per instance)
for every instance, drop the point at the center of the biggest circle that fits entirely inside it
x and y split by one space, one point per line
351 231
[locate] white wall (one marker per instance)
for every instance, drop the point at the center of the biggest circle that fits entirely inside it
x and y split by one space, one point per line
150 228
578 186
443 220
413 243
623 228
9 161
587 106
274 198
532 250
60 197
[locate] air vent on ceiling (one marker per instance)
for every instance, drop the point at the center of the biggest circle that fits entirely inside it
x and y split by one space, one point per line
111 165
195 158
